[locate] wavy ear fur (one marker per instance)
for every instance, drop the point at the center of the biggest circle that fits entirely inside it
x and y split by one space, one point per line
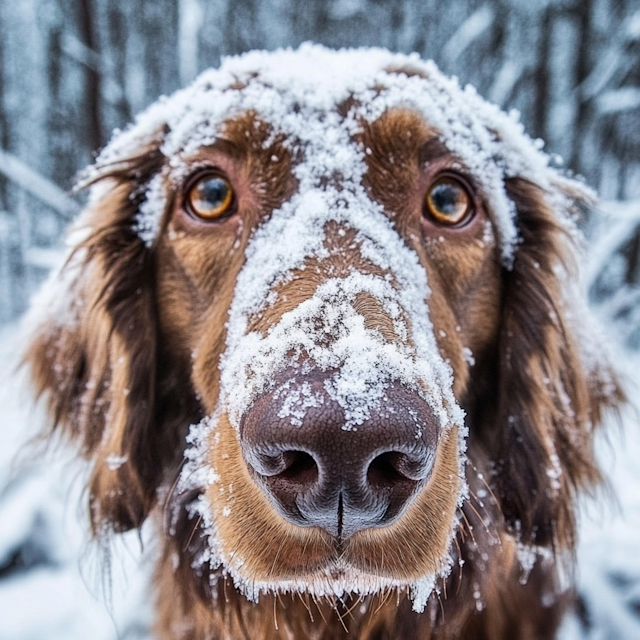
95 355
551 394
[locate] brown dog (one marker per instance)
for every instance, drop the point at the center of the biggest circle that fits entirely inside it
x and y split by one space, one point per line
341 289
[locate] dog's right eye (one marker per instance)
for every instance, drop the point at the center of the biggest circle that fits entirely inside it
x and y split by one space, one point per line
210 197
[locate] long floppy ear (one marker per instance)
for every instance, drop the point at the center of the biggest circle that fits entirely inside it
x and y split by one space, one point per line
94 352
554 381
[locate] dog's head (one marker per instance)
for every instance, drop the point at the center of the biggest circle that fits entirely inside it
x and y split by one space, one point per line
355 280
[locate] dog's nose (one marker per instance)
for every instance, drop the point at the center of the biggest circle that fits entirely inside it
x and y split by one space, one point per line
316 473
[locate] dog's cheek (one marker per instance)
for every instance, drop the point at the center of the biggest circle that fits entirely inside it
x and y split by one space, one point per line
466 284
195 283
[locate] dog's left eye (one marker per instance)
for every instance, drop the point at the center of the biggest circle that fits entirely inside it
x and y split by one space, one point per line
448 201
210 197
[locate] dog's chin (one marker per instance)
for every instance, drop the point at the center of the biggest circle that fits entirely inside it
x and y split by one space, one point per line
358 566
337 580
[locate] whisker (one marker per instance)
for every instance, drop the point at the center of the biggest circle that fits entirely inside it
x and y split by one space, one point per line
275 613
480 518
460 566
315 600
193 533
306 604
174 484
469 527
275 559
355 604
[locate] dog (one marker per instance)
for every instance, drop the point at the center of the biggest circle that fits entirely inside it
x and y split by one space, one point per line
320 321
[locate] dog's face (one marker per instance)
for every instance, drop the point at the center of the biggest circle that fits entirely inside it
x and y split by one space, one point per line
355 291
336 277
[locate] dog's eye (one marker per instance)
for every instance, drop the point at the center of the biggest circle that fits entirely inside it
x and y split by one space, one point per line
448 201
210 197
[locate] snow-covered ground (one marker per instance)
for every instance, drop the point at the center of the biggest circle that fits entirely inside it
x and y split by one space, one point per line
608 576
55 586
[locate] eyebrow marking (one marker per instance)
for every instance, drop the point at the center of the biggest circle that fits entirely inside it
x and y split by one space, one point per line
432 150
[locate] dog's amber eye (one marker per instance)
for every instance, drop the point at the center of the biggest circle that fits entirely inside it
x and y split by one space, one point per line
448 201
210 197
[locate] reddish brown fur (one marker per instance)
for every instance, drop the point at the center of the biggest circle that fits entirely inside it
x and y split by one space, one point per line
143 352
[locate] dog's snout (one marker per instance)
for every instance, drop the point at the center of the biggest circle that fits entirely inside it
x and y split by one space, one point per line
316 473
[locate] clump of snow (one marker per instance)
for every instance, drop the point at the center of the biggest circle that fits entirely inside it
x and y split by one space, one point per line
148 218
528 555
554 472
468 356
421 592
297 401
114 461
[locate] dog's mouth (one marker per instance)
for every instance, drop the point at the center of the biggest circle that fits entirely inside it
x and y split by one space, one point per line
275 529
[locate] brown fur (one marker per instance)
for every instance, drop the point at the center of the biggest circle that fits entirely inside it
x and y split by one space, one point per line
139 363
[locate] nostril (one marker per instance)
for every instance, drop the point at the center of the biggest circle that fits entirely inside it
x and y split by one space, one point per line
393 467
383 472
288 467
302 469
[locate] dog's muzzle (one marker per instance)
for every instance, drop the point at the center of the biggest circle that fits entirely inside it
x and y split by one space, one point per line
318 474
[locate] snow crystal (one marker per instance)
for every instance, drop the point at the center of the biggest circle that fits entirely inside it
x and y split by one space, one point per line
114 461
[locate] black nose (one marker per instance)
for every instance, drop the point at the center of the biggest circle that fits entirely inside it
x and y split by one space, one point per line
319 474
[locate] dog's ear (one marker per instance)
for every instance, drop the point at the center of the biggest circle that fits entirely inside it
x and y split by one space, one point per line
554 381
93 354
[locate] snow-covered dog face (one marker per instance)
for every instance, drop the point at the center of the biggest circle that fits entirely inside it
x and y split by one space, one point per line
333 423
333 265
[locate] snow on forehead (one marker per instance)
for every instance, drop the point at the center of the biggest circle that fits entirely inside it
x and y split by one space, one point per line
323 76
318 77
285 87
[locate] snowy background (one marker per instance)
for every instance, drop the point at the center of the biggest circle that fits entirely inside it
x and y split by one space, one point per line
73 70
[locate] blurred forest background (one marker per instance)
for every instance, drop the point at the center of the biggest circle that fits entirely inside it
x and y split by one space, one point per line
73 70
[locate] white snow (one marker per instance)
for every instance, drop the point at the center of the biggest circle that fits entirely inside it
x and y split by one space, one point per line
147 220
